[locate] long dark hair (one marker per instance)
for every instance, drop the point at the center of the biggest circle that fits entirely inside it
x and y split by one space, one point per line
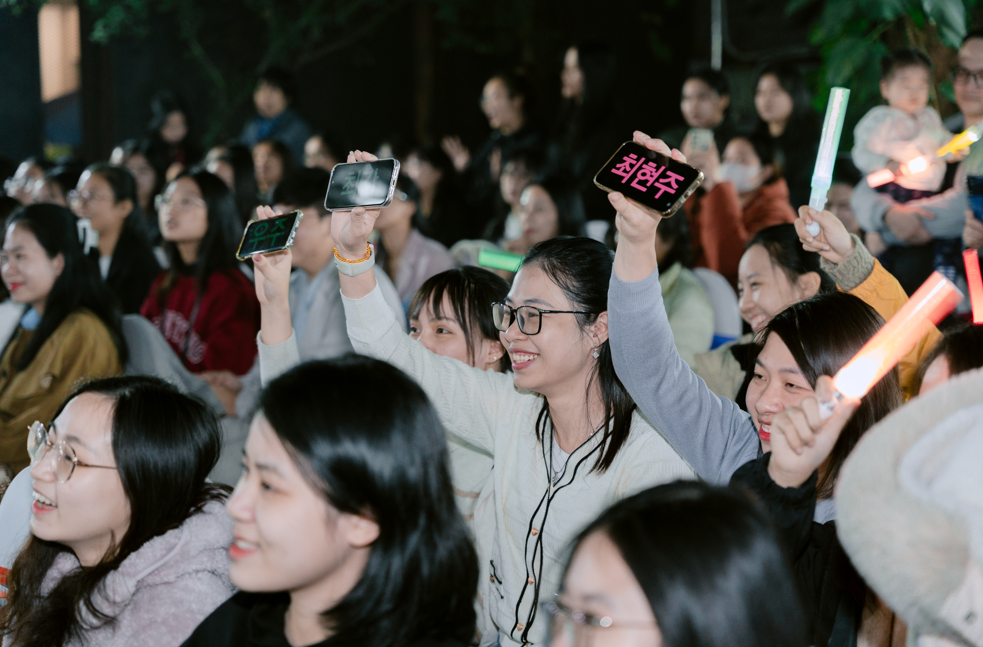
598 63
165 443
386 458
962 348
581 267
124 187
570 211
471 291
78 286
803 124
719 578
245 192
786 252
217 250
823 333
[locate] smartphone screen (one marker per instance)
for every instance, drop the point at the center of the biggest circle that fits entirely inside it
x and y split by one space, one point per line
649 178
362 184
270 235
974 183
700 139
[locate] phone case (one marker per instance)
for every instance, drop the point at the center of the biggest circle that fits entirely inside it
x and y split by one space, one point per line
389 196
673 208
287 245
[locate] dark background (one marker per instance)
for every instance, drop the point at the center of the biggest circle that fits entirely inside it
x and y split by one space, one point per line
411 77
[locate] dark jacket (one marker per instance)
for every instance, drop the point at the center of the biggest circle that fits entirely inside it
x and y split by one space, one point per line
287 127
256 620
832 592
132 270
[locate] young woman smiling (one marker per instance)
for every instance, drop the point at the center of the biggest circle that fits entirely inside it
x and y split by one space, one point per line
565 437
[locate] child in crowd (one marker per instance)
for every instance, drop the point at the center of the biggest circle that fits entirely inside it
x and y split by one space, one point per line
903 130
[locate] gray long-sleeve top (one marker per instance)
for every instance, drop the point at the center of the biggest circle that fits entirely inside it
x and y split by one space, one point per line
711 432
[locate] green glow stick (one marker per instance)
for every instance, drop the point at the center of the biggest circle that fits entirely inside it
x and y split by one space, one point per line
499 260
822 176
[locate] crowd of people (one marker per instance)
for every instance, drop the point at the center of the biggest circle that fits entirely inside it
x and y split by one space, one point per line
371 439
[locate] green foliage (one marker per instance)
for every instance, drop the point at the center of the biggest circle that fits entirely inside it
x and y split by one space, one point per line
853 35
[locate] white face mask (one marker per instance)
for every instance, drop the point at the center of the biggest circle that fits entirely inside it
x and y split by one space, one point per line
744 177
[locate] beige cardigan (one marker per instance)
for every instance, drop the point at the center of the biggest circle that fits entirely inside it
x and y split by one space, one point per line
531 524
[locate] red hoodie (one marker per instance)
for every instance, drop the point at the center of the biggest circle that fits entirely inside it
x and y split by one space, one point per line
225 327
720 229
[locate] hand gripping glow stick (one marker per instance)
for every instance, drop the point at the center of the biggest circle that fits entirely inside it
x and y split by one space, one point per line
971 259
963 140
822 176
928 305
499 260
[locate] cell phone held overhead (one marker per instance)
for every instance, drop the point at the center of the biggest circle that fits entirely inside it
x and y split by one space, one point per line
269 235
362 184
650 179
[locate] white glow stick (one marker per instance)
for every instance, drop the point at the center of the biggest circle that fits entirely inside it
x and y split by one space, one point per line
822 176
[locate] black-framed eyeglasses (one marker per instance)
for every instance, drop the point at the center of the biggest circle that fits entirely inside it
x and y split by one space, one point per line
530 318
39 443
576 628
962 76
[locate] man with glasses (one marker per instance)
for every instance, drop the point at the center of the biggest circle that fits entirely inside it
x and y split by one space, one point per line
912 227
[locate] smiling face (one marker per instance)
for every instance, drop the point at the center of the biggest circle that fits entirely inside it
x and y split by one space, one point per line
183 217
90 511
764 290
28 272
558 358
287 537
538 215
907 89
777 383
599 583
969 97
701 106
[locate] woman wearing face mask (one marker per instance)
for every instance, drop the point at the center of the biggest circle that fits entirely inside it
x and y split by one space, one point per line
128 538
743 195
107 197
70 331
408 257
803 342
203 304
565 438
631 584
548 208
345 530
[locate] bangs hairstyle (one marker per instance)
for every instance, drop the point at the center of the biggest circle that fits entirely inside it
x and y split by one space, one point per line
581 267
78 286
719 578
962 348
786 252
164 443
823 333
386 459
471 291
217 249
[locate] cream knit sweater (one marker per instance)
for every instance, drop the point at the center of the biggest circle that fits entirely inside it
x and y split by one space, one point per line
531 524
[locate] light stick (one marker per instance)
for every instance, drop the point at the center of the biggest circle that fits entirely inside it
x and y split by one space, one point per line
822 175
927 306
963 140
971 259
499 260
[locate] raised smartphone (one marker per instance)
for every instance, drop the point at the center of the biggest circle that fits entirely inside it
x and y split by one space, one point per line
362 184
269 235
648 178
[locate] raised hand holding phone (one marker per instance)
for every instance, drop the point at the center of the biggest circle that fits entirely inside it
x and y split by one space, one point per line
272 279
801 440
832 241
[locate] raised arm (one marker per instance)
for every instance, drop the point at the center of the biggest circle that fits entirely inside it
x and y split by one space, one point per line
710 432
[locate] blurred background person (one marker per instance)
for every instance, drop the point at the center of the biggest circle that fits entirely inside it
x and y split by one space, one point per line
276 118
704 104
271 162
548 208
323 152
21 184
172 146
134 156
56 186
443 212
235 167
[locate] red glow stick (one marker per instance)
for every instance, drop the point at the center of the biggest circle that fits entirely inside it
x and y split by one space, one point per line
971 260
927 306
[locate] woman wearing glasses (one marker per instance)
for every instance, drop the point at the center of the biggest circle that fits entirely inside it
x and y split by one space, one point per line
631 583
128 540
565 437
107 197
70 330
203 305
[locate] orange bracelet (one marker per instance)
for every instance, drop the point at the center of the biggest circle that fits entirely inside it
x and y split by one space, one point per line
368 255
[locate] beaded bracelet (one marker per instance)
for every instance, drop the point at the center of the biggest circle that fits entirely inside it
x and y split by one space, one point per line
368 255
